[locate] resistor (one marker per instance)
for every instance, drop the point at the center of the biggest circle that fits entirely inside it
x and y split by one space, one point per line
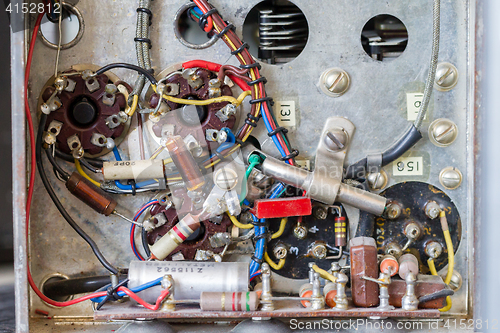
185 163
227 301
174 237
389 265
408 263
340 224
93 196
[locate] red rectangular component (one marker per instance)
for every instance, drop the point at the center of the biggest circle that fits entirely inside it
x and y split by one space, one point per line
282 207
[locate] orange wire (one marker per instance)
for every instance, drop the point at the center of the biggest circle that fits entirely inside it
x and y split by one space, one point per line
210 22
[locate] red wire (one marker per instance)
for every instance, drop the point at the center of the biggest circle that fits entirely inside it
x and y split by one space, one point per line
211 66
29 199
132 243
210 23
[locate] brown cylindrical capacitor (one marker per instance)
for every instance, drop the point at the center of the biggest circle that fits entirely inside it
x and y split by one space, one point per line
340 224
185 163
364 263
93 196
229 301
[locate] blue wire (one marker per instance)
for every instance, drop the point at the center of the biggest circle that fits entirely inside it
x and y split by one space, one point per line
198 10
230 136
269 129
136 290
136 217
129 187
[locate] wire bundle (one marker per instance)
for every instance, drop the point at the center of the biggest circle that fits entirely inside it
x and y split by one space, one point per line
261 103
132 229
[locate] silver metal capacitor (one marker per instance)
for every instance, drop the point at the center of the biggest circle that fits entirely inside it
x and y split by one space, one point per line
191 278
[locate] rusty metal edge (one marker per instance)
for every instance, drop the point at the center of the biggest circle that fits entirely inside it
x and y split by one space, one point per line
17 47
129 313
477 53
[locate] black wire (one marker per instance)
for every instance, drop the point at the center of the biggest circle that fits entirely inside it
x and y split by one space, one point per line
60 207
89 166
141 70
438 294
69 158
145 244
64 175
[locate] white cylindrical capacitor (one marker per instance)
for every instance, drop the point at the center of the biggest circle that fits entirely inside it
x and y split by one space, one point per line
137 170
191 278
408 263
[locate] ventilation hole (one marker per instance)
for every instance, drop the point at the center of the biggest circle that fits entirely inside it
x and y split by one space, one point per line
277 32
384 37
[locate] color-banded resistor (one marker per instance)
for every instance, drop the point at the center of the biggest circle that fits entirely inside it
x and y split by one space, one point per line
174 237
228 301
340 224
389 265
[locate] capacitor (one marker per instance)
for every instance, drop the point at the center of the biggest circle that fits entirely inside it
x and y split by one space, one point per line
363 251
191 278
330 292
408 263
93 196
137 170
389 265
306 291
229 301
340 224
185 163
175 237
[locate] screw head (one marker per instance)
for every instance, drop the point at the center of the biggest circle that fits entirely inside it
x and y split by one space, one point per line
225 179
433 249
319 251
446 76
335 82
393 211
450 178
377 180
336 139
412 231
432 209
280 251
394 249
320 212
300 232
443 132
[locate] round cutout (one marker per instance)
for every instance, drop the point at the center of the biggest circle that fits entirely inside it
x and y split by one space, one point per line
188 32
384 37
72 27
276 31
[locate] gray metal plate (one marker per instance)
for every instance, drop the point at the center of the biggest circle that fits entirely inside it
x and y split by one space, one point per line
375 103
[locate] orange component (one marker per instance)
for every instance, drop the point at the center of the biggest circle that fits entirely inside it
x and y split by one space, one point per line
306 294
282 207
185 163
330 298
389 263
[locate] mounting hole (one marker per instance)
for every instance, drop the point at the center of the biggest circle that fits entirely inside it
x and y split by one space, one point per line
384 37
72 27
188 32
277 31
52 291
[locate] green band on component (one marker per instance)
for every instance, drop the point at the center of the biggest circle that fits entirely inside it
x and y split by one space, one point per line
248 301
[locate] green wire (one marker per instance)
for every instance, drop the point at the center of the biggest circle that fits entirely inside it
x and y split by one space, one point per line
193 12
254 160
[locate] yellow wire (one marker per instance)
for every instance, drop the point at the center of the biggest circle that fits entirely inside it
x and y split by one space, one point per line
324 274
238 223
230 99
433 270
273 265
281 229
451 259
133 107
157 152
81 172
